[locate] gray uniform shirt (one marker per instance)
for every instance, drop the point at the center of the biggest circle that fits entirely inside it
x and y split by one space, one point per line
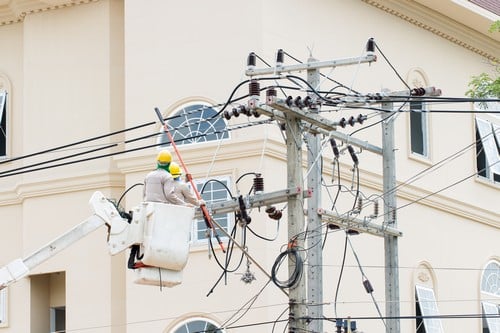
159 187
183 191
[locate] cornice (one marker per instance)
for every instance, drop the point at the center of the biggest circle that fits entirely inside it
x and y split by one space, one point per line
415 194
59 186
228 150
441 25
13 11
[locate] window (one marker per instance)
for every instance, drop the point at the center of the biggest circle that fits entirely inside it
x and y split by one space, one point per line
213 190
488 149
197 325
491 320
58 319
3 123
418 129
492 6
3 307
427 311
194 123
490 297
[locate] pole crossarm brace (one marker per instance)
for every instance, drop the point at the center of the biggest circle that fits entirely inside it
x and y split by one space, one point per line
364 226
395 96
257 200
311 65
319 125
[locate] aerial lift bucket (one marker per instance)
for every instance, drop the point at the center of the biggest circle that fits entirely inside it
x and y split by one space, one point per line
165 245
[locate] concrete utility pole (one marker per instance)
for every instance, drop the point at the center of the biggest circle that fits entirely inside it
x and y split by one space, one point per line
306 303
390 241
314 240
297 294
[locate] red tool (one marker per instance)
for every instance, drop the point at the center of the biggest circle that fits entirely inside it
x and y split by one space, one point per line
204 210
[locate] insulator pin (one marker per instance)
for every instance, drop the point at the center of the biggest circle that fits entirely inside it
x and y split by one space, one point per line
258 184
271 96
254 88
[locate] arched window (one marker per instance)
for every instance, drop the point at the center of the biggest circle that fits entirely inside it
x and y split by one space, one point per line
490 297
194 123
426 305
200 324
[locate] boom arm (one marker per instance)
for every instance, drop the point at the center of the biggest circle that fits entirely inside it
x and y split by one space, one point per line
104 213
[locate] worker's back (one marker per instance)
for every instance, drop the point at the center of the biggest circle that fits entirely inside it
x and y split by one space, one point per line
158 187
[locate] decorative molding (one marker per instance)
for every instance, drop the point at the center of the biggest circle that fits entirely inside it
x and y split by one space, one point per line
15 11
440 25
64 185
423 277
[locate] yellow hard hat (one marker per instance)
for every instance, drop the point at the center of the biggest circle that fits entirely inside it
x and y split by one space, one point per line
175 169
164 157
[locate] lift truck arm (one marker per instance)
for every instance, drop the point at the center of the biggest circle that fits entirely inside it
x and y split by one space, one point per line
104 213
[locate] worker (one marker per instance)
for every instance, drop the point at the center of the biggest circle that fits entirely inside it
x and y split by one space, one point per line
181 189
159 184
158 187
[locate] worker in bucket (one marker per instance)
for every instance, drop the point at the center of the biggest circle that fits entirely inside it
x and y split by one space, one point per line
159 184
181 189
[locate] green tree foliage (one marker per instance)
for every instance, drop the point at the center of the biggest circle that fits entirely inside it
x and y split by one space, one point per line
486 85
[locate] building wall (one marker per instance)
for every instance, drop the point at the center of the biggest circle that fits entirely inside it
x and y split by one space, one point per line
81 71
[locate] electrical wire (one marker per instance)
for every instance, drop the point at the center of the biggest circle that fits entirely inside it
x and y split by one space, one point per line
30 168
363 275
294 276
344 252
248 306
443 188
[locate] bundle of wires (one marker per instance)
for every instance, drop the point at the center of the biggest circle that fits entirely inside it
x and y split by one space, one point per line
295 276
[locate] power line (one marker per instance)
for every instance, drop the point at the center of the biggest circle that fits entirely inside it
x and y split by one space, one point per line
16 171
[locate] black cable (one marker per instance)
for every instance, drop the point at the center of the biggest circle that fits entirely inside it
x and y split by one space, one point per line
325 76
295 276
75 143
265 238
131 187
340 276
9 173
389 63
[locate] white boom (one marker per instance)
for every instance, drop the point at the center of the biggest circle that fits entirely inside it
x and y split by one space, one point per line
163 240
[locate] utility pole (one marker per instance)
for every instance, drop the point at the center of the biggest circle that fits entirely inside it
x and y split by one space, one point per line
314 240
305 300
390 241
297 294
306 295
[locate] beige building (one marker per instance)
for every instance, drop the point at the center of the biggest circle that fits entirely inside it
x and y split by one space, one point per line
79 81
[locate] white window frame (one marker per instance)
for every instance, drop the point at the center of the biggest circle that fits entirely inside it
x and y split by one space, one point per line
204 127
229 216
186 322
424 127
3 308
54 311
426 300
489 133
490 295
3 114
492 320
